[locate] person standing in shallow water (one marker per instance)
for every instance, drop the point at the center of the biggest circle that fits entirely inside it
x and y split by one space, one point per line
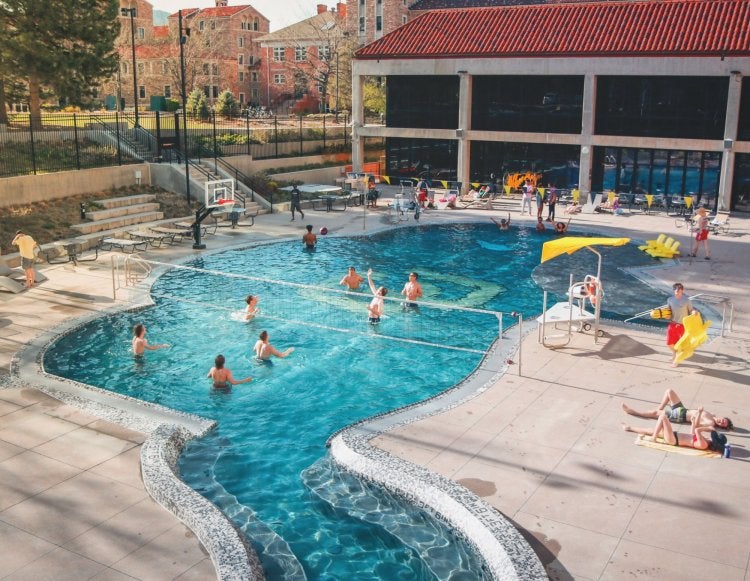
681 307
140 343
309 239
222 376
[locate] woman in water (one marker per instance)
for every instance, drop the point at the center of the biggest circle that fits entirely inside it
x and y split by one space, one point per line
222 376
375 308
252 307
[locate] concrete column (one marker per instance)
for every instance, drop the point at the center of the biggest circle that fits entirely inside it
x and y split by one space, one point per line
358 118
730 136
465 89
587 130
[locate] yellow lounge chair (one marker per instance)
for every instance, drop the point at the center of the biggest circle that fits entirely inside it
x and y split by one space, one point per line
651 243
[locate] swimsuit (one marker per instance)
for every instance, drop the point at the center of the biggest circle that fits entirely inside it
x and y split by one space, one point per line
374 320
676 413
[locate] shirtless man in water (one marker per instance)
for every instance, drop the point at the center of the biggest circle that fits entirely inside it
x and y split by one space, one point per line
412 290
264 350
222 376
140 343
676 412
352 280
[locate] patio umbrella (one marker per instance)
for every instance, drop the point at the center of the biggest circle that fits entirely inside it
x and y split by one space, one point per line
571 244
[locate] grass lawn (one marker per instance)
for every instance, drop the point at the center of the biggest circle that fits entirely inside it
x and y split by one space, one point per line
52 220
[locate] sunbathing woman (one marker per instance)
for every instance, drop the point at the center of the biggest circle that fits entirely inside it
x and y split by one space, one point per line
695 439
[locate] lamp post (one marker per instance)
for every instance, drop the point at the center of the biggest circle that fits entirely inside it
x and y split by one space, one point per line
183 39
337 85
131 12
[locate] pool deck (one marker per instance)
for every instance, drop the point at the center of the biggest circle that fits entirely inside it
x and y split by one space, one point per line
544 446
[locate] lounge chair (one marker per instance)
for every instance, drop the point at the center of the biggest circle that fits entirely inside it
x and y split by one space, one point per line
178 233
720 223
14 279
126 246
155 239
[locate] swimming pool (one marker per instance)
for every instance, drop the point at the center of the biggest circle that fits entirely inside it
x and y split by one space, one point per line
265 465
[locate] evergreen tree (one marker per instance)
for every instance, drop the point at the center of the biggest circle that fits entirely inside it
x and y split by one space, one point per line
197 105
227 105
66 45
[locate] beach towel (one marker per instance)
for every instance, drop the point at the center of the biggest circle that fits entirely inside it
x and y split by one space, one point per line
659 444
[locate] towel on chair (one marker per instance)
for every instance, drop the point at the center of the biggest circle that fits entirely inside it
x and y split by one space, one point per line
659 444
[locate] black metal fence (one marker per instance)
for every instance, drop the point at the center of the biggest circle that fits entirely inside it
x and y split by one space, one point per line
66 141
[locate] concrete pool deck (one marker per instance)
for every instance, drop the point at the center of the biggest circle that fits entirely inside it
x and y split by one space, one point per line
545 448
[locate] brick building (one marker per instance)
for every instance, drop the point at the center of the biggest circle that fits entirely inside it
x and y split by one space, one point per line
368 20
299 61
221 53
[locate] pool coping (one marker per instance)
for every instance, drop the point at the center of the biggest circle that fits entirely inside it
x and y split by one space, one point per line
504 551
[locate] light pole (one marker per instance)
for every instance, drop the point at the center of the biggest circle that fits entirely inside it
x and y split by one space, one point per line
337 85
183 40
131 12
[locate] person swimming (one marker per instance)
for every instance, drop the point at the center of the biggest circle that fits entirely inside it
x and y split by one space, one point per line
252 307
222 376
140 344
264 350
375 308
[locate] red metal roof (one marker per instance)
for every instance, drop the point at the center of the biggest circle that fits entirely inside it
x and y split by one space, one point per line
642 28
161 32
211 12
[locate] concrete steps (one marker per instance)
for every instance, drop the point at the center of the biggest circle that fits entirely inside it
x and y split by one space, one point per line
118 222
118 211
110 203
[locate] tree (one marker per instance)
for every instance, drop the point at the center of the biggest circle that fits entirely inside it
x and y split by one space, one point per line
374 96
227 105
197 105
60 45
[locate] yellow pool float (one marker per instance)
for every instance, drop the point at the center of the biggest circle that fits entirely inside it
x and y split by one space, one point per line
696 333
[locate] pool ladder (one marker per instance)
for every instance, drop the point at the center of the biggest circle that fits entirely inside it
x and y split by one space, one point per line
128 271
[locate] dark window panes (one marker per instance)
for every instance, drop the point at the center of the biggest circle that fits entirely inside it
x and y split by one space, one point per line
676 175
659 171
549 104
422 158
642 175
685 107
429 102
557 164
743 129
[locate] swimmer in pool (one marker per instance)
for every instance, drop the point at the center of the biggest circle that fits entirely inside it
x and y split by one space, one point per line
140 343
252 307
222 376
375 308
412 291
264 350
352 280
503 224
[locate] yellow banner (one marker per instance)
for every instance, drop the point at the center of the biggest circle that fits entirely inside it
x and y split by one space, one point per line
649 199
611 197
542 190
688 202
507 189
576 195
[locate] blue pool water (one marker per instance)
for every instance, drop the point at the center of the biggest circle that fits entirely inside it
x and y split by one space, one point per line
266 464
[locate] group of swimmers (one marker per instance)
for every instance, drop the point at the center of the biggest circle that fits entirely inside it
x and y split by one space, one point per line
560 227
412 291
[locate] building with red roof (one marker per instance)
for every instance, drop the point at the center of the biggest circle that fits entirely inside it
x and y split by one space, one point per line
628 96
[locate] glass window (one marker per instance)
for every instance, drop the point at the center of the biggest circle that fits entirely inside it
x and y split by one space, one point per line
300 53
141 33
422 101
741 184
278 54
378 23
548 104
243 25
141 92
279 79
254 77
215 69
141 68
124 67
242 97
240 41
242 76
685 107
428 158
202 25
167 91
215 91
361 23
552 164
240 59
324 52
676 173
256 25
205 68
213 25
